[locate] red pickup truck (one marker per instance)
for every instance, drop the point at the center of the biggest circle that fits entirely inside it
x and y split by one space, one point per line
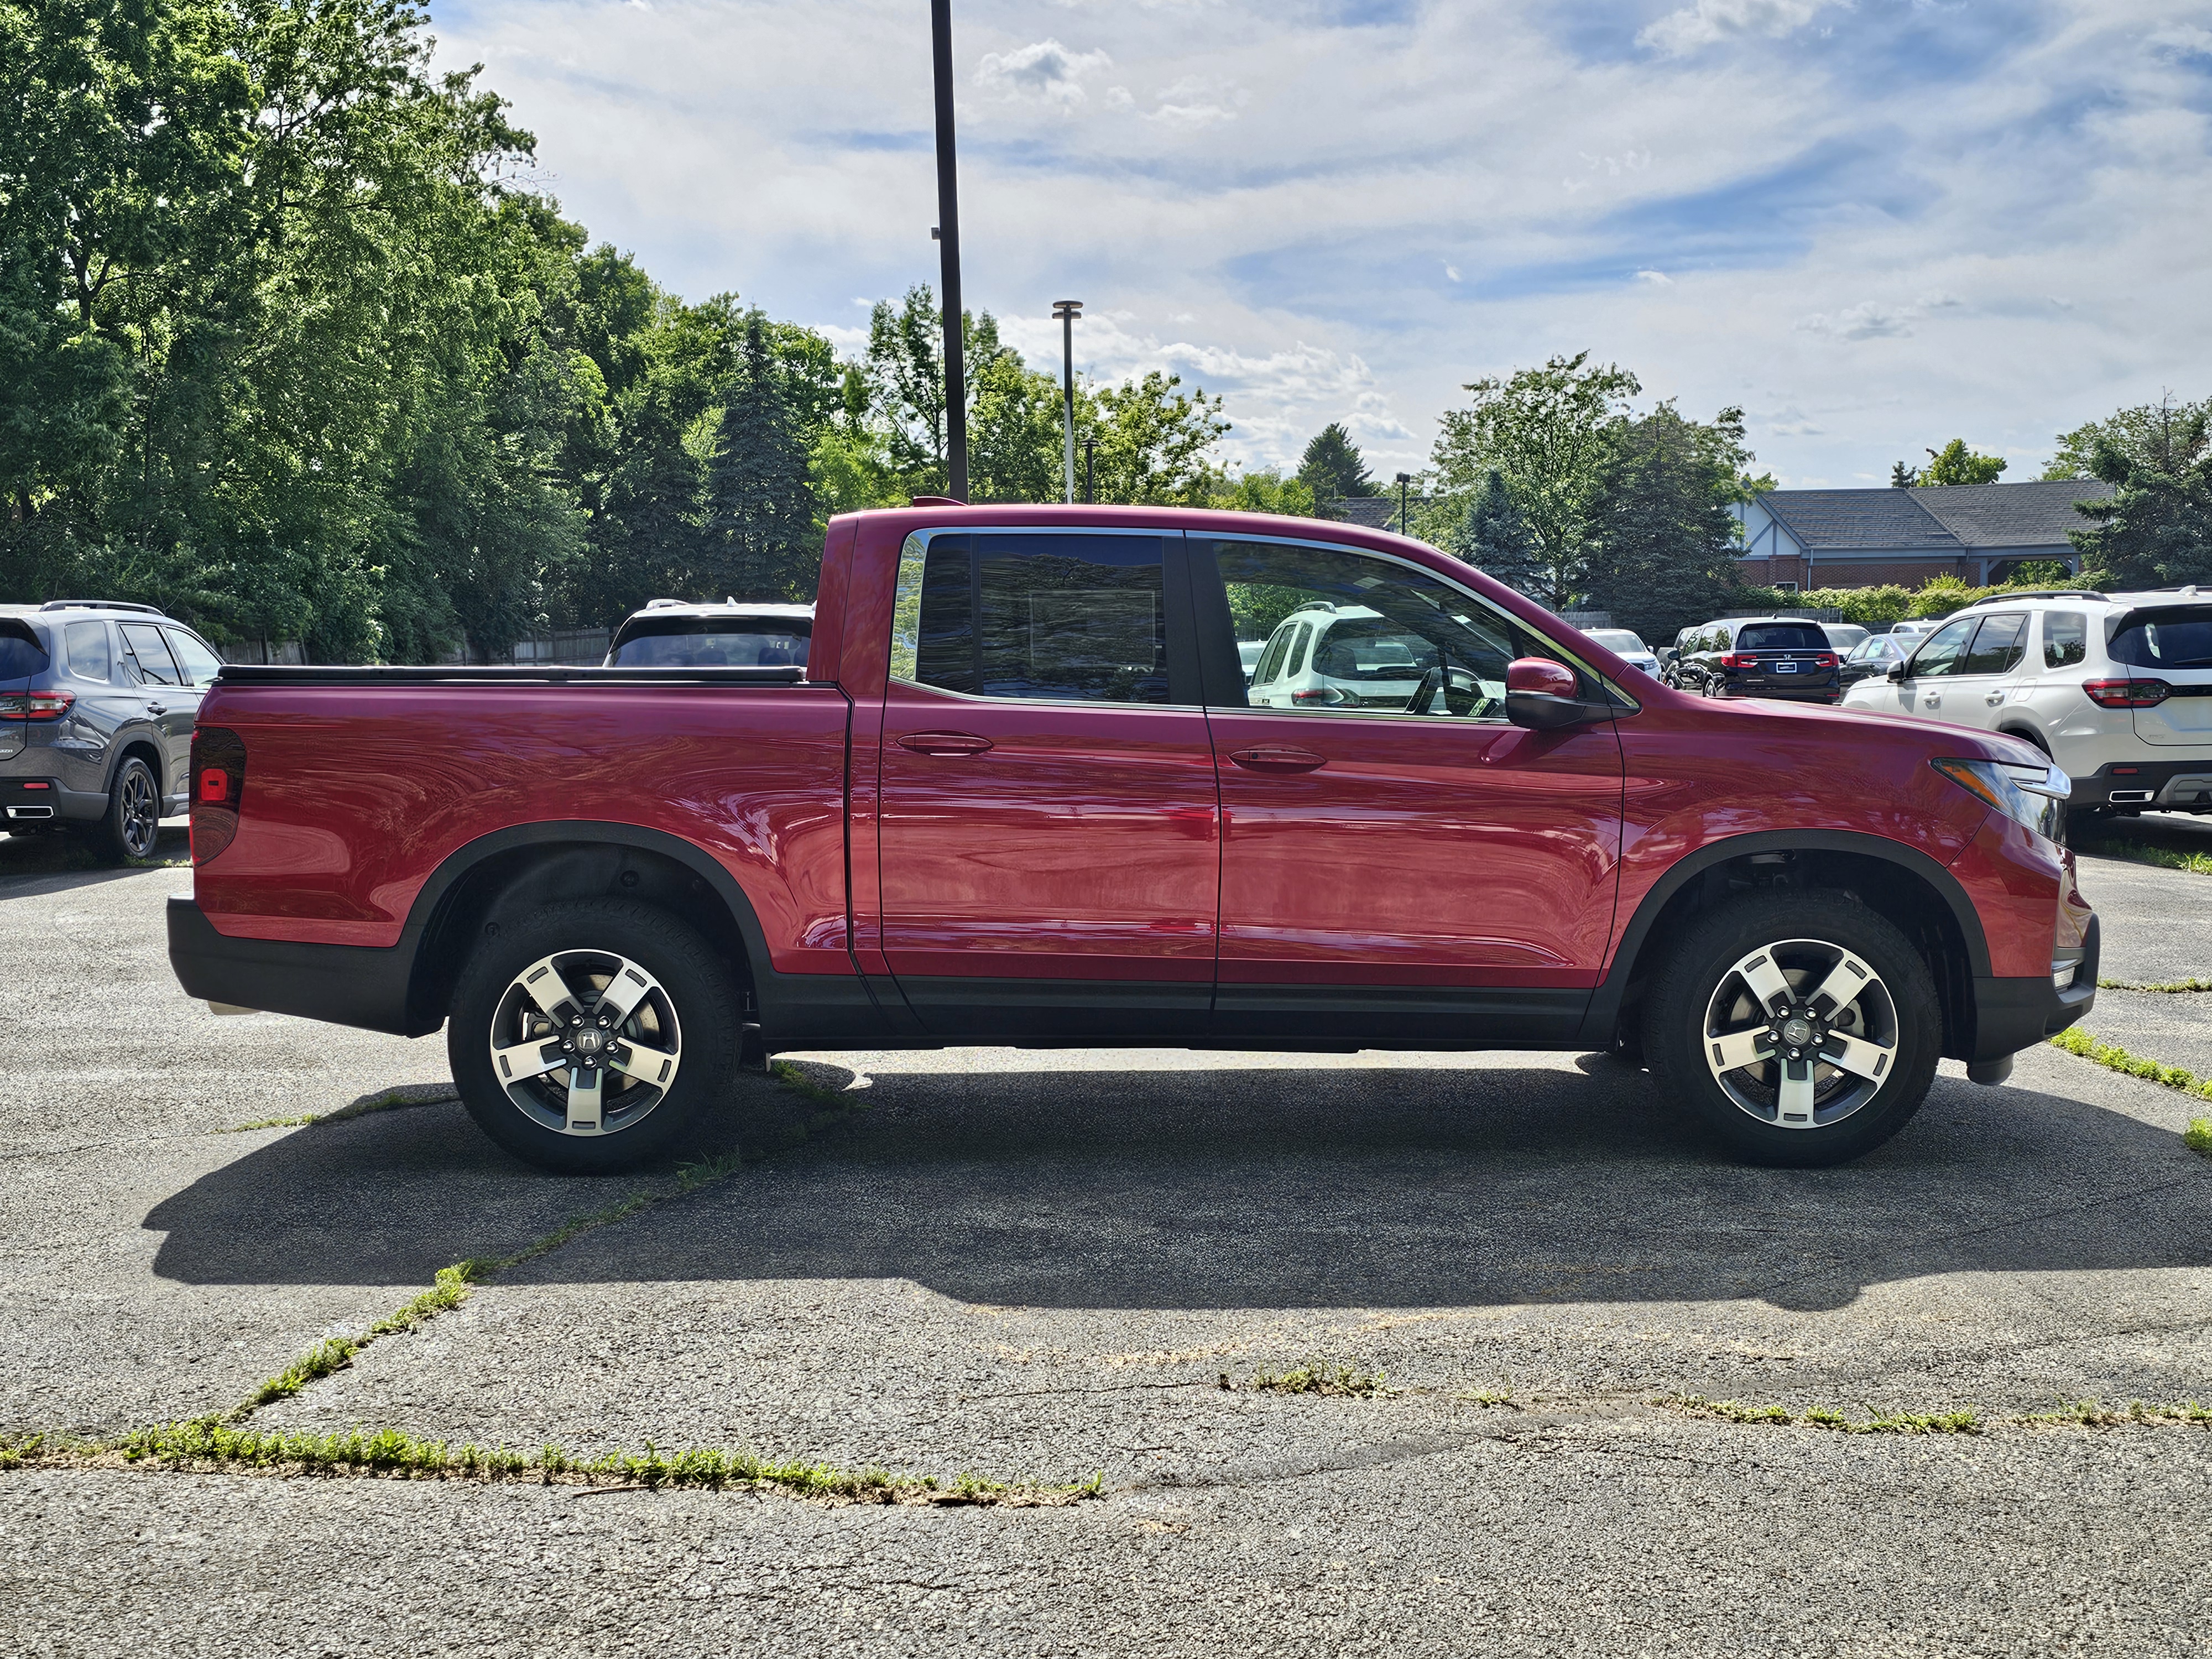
1022 793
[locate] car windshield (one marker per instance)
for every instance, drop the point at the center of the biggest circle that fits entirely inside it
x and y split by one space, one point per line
1843 636
1782 637
1620 641
714 642
2176 638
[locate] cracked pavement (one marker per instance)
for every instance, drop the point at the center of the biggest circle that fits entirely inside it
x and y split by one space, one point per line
1041 1264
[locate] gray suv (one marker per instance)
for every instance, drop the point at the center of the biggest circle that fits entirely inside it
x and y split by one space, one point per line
97 702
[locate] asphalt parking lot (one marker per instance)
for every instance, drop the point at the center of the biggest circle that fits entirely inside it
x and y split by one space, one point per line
1040 1268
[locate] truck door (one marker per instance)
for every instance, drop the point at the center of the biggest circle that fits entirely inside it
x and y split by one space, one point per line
1398 859
1049 854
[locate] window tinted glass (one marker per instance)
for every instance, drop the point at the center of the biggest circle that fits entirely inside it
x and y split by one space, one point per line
2166 639
1940 653
1066 617
711 642
200 664
1376 630
1278 646
21 656
1999 644
1619 640
89 657
2065 638
1782 637
1301 638
143 642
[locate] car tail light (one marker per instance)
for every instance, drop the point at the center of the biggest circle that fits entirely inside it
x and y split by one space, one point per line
1825 660
1326 696
2127 693
35 705
218 782
1738 659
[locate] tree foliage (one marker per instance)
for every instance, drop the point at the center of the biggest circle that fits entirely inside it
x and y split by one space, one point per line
1664 543
1492 536
2155 529
1332 467
1955 463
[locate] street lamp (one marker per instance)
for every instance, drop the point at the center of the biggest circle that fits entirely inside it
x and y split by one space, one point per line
1403 481
1065 312
948 236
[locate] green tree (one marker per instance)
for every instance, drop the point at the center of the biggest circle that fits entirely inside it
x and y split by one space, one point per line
1265 491
760 531
1663 553
2155 529
1016 444
1546 432
1902 477
1155 442
2144 433
1493 537
1955 463
1332 467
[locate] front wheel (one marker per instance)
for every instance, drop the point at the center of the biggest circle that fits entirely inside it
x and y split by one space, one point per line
1800 1027
132 823
588 1036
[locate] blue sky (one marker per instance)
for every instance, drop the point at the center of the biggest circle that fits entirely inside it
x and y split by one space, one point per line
1876 226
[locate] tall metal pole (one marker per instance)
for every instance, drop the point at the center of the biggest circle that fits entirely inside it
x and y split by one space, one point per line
948 237
1066 310
1405 482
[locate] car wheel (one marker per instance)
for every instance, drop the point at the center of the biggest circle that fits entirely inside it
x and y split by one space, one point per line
133 821
1800 1028
591 1036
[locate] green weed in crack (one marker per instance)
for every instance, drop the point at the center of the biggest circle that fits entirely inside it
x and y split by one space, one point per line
1966 1421
1316 1377
2113 1058
394 1100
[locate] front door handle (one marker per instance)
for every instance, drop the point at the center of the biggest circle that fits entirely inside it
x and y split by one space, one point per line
1277 757
944 743
1993 698
157 708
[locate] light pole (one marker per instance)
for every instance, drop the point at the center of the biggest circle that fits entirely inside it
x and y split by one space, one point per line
1404 480
948 237
1091 469
1065 312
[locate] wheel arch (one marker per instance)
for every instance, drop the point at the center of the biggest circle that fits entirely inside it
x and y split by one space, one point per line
141 744
537 864
2026 732
1904 885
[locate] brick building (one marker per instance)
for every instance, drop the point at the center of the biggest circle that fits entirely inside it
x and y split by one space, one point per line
1865 538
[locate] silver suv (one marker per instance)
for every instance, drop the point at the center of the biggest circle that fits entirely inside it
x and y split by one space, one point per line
97 701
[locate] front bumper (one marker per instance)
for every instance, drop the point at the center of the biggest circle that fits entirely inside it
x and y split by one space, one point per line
2182 786
2013 1014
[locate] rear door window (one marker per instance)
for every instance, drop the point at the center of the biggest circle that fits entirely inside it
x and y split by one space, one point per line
1998 645
2172 639
142 642
1035 615
1941 652
200 664
2065 638
1782 637
90 657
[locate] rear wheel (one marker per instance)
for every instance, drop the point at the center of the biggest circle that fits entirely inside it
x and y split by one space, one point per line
132 823
589 1037
1800 1028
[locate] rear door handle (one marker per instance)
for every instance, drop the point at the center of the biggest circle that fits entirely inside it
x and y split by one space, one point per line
1277 757
944 743
157 708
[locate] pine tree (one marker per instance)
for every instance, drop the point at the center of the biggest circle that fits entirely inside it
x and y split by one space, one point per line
1333 467
1902 477
760 540
1664 549
2155 529
1493 537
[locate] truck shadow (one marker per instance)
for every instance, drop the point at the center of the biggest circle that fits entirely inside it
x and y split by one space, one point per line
55 863
1229 1186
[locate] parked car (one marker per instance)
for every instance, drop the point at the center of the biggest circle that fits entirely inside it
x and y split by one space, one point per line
675 634
1020 794
1845 637
1918 628
1247 656
1629 646
97 700
1876 655
1757 657
2117 688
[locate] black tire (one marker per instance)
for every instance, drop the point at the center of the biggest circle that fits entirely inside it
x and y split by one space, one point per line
693 1010
1678 1020
133 825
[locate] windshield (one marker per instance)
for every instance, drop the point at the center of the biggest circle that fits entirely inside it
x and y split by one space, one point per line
1782 637
1620 641
714 642
2178 638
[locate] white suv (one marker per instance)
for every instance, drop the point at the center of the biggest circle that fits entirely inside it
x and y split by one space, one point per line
1347 656
2117 688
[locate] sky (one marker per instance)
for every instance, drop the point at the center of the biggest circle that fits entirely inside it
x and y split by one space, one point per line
1873 225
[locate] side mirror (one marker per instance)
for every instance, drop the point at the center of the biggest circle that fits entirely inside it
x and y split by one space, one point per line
1896 668
1539 694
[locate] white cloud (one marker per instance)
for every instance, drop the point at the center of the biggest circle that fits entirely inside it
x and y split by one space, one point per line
1452 271
1044 70
1711 21
1938 299
1868 320
1655 278
1198 100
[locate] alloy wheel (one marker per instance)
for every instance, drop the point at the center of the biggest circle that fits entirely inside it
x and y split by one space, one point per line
141 813
1800 1034
586 1043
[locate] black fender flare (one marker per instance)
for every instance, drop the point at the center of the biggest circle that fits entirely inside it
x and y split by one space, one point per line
1604 1002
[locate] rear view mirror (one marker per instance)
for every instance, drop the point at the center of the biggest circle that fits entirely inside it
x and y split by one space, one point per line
1539 694
1896 671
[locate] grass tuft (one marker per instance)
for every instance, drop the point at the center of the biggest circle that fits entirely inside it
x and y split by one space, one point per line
2112 845
392 1100
2171 987
1315 1377
335 1353
2110 1056
1825 1417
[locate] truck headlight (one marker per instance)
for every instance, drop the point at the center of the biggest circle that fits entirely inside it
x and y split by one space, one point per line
2034 795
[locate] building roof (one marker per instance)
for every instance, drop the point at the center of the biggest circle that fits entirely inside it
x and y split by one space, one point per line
2036 515
1370 512
1824 519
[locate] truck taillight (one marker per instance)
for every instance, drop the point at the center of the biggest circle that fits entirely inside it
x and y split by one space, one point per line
2127 693
35 705
218 783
